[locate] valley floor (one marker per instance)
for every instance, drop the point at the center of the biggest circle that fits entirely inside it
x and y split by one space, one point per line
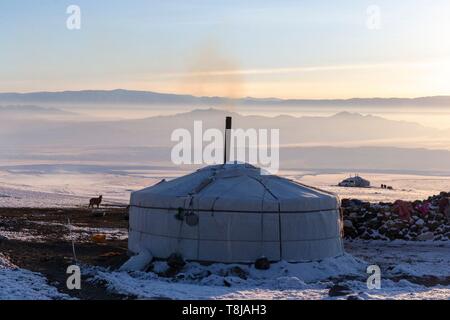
61 185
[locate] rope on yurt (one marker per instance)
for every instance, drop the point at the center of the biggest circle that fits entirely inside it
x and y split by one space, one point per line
190 208
237 211
262 223
279 210
179 239
218 197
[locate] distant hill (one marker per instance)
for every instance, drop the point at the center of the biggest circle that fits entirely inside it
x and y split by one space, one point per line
342 141
30 110
341 128
121 96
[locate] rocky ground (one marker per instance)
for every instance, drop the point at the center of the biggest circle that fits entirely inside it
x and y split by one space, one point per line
419 220
40 240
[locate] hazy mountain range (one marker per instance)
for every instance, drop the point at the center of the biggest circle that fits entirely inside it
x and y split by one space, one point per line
121 96
340 128
344 141
32 110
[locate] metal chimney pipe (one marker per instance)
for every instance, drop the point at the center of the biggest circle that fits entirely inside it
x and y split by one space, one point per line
226 156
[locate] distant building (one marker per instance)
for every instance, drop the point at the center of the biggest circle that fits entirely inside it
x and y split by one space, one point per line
355 181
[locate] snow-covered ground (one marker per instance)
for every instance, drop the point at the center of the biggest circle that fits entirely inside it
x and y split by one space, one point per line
405 187
19 197
24 235
403 266
81 234
75 233
65 186
20 284
51 186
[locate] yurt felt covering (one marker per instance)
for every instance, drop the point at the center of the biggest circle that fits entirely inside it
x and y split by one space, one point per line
233 213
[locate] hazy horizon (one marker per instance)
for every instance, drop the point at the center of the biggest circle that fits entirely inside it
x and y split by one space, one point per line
129 104
267 97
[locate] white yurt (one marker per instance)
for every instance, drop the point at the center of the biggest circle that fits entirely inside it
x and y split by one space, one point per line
231 213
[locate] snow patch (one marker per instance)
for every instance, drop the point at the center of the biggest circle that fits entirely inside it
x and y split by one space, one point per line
20 284
221 281
399 261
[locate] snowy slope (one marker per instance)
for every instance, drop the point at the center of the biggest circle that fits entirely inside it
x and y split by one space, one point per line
20 284
399 263
220 281
67 189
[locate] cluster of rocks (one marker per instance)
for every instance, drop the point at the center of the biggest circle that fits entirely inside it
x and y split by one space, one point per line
419 220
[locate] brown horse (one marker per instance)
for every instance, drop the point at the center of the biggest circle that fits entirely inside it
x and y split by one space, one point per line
95 202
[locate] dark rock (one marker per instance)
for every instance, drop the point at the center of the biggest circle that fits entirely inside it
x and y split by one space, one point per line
374 223
238 272
170 272
176 261
150 268
346 203
369 220
365 236
99 213
262 263
433 225
425 236
353 297
348 224
339 290
420 222
361 231
392 234
350 232
353 215
356 202
371 215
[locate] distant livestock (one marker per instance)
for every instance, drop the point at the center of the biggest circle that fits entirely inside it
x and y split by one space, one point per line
95 202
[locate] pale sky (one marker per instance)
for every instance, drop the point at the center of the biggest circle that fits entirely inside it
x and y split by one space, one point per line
276 48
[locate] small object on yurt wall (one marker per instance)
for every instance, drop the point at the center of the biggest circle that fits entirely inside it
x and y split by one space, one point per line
192 219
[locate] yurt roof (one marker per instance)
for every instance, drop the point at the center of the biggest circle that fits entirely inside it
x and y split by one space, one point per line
234 188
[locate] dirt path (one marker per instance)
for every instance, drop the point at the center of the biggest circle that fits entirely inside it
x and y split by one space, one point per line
39 240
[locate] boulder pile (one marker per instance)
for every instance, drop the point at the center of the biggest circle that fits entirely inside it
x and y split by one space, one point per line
417 221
